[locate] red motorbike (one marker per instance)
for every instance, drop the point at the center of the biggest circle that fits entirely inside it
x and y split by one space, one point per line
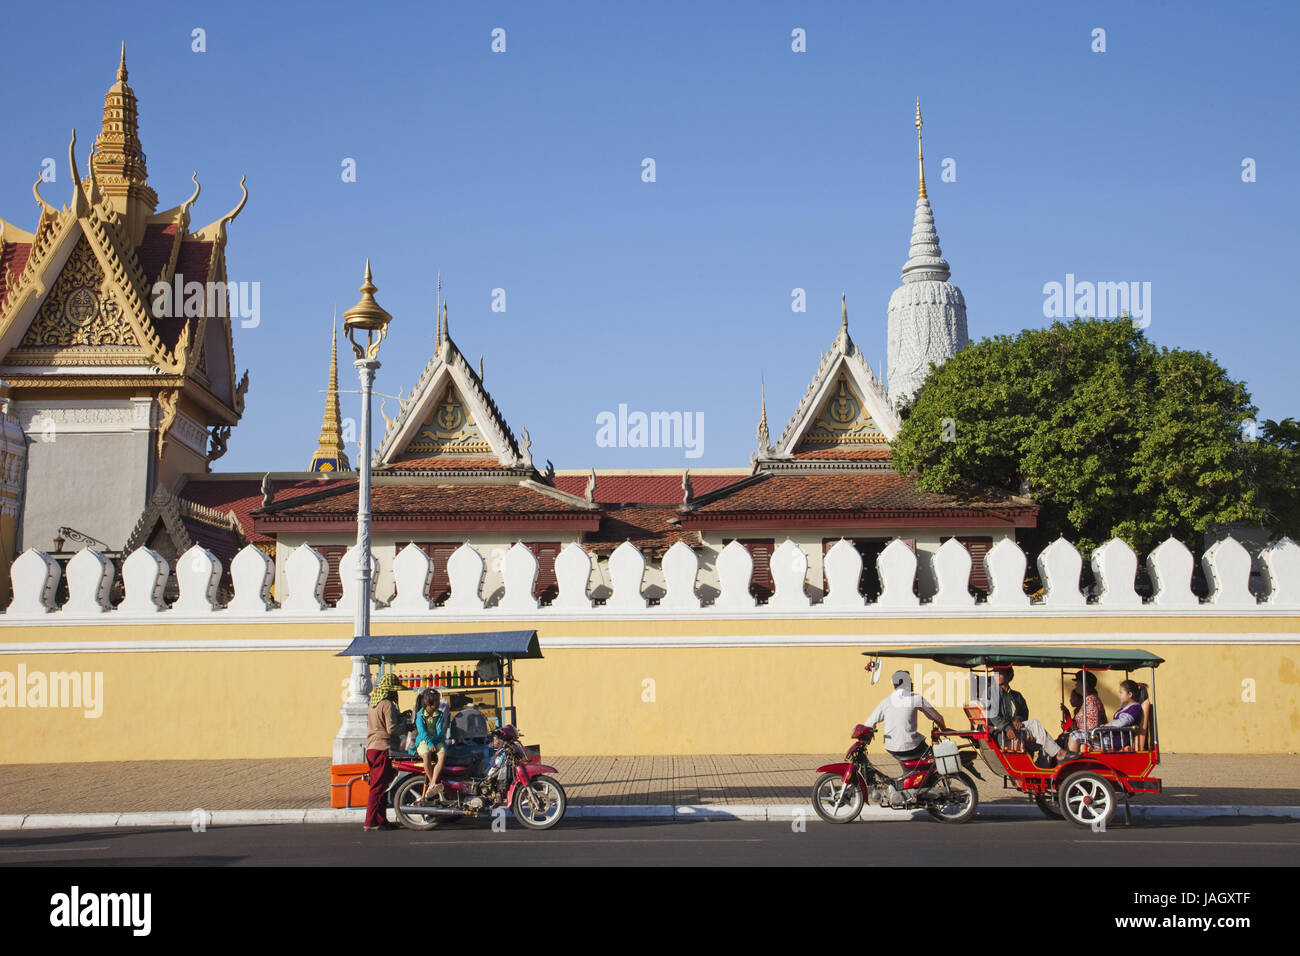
934 782
502 773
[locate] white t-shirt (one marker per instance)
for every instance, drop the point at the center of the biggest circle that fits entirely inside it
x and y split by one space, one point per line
898 711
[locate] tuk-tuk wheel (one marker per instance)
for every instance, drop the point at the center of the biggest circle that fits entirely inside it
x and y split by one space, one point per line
1047 803
1087 800
407 793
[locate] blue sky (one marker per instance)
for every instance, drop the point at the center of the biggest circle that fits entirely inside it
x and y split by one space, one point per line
775 170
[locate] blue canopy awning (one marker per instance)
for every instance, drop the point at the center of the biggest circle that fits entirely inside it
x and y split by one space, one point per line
417 648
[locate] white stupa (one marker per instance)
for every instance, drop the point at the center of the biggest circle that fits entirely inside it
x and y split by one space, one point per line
927 314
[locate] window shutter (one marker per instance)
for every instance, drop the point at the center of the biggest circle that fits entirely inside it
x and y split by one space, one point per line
760 551
547 587
333 554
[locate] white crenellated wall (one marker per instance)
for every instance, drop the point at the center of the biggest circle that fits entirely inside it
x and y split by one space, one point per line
678 586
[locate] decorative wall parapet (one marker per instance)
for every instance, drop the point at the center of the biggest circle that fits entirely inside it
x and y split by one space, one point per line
1227 565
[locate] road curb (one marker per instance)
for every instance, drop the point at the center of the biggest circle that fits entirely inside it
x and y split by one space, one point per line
752 813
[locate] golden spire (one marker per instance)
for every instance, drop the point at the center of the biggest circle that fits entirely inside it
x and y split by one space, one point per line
119 161
329 454
844 312
437 312
764 438
920 158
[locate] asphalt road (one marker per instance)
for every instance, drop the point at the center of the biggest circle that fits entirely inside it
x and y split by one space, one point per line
1227 842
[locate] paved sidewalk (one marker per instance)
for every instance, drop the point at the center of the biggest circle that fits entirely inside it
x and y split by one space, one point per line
303 783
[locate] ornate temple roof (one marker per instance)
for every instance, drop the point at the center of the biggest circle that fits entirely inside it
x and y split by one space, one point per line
844 416
874 499
76 293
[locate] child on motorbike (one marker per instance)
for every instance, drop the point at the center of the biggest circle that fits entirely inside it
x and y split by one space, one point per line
430 729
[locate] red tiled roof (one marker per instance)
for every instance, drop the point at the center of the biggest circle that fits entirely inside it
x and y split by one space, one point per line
843 453
643 489
14 257
647 528
222 542
192 261
430 502
848 494
155 249
243 495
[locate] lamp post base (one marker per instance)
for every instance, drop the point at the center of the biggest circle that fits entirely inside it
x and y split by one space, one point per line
350 742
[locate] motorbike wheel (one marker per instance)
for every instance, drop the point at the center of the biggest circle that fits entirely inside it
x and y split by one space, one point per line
1047 803
835 801
1087 800
408 792
965 800
541 804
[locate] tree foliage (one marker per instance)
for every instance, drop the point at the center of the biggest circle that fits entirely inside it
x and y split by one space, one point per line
1108 434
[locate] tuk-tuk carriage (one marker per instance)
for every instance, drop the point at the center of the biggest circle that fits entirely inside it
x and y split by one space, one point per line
486 767
1110 764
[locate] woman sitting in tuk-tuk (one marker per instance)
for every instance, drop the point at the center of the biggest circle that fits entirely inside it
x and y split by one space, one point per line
430 733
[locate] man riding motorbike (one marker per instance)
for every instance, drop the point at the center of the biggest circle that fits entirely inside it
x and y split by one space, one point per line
898 712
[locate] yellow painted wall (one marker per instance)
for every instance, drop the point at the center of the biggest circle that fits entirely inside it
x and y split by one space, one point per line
197 704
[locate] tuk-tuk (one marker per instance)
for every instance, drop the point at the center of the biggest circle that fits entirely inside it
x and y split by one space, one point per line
486 767
1104 765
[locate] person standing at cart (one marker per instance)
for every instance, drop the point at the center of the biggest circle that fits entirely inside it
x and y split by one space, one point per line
384 728
898 712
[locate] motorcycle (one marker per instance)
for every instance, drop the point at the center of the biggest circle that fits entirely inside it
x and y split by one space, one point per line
479 780
934 782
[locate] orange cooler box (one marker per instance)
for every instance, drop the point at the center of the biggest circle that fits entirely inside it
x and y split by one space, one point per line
349 785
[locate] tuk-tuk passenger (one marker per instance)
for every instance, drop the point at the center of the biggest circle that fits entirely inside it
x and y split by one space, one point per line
1131 695
1005 713
430 734
1089 716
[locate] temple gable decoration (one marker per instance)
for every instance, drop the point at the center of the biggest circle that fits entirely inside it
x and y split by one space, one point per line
450 414
844 414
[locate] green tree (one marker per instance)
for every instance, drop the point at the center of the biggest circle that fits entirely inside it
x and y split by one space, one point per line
1108 434
1275 472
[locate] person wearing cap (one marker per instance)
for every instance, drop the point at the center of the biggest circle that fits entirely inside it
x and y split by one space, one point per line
384 729
898 713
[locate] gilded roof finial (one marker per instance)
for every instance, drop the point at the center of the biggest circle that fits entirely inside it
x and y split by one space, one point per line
329 454
844 312
764 437
121 66
920 158
437 314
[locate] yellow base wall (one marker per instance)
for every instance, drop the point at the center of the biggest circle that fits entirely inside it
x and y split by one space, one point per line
198 704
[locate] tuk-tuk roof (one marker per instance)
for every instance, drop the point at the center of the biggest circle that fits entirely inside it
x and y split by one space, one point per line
976 655
417 648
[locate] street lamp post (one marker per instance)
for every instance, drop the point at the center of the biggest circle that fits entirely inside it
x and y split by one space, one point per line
371 322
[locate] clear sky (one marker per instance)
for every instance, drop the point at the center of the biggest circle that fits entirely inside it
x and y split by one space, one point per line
775 170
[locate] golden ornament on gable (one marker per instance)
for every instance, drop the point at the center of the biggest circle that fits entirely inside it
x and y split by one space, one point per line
843 420
450 428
